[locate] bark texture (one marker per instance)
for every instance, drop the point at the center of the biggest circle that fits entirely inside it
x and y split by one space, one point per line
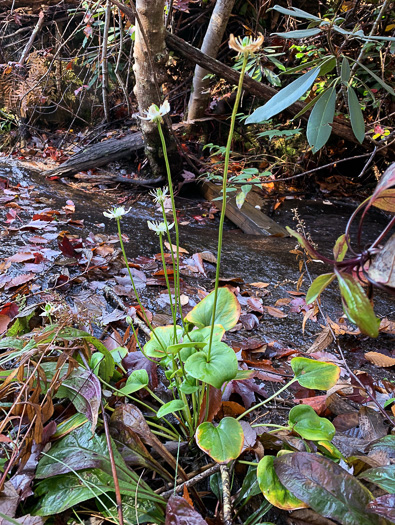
151 14
200 95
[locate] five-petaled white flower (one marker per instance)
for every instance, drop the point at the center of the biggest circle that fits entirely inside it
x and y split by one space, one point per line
159 227
247 45
116 213
159 195
155 114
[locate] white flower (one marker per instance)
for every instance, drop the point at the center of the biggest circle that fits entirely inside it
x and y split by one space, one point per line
159 227
159 195
116 213
247 45
155 114
49 309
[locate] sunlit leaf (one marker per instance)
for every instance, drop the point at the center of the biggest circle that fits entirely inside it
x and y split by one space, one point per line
318 286
272 488
227 312
357 306
284 98
222 443
160 340
317 375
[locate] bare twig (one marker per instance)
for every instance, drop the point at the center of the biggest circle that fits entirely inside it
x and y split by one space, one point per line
226 500
191 482
32 38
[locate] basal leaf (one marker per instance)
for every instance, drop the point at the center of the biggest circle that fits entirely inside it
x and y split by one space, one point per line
220 367
326 488
284 98
318 286
319 127
172 406
356 115
223 442
309 425
83 389
356 305
227 312
377 79
317 375
272 488
160 340
137 380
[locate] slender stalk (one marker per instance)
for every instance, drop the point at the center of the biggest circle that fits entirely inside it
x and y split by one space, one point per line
173 205
173 308
224 184
133 284
254 407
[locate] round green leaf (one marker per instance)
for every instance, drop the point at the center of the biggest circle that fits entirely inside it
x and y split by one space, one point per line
309 425
203 334
272 488
221 367
222 443
227 312
138 379
170 407
160 340
317 375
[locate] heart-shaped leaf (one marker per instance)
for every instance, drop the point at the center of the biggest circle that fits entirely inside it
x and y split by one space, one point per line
160 340
222 443
309 425
220 367
357 306
227 312
138 379
317 375
170 407
326 487
318 286
272 488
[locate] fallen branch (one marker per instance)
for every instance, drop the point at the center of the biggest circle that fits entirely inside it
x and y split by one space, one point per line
32 38
340 128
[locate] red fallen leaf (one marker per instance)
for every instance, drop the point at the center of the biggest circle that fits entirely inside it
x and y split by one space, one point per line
214 405
54 177
20 279
33 267
296 294
36 225
70 207
37 239
186 496
246 389
4 322
68 249
384 506
318 403
21 257
43 217
5 439
10 309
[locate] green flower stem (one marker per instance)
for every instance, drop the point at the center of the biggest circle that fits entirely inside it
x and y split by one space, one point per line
172 434
294 380
158 399
173 205
134 286
277 427
134 399
224 184
173 308
247 463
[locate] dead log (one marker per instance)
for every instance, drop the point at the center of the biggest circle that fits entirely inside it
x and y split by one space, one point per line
99 154
34 5
340 128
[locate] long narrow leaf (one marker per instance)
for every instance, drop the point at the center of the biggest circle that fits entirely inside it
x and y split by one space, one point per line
378 79
319 126
302 33
356 115
284 98
294 11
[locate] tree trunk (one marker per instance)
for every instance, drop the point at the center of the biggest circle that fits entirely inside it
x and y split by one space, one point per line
200 95
152 32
